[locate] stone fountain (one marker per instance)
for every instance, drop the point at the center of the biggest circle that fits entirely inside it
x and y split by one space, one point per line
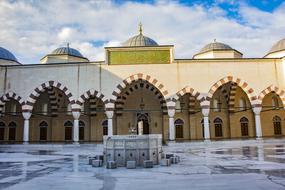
139 148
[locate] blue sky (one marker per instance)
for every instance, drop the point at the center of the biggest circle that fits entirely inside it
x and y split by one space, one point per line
31 29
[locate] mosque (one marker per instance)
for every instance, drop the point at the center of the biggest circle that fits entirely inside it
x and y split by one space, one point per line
216 94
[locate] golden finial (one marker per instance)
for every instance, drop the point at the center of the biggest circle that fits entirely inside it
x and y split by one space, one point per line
140 28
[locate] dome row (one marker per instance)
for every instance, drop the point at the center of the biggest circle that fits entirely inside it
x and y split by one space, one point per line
139 41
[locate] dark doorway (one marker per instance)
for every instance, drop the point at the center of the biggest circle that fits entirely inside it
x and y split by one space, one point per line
179 128
143 118
277 125
43 131
68 130
12 131
244 126
68 133
81 130
2 132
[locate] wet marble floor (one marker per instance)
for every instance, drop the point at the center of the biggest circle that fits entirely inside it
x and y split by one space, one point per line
238 164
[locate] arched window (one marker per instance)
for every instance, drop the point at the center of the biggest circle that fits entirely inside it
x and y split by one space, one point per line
12 124
242 104
105 127
43 130
2 130
43 124
12 131
217 105
244 126
218 127
202 124
275 103
68 130
277 125
179 128
68 124
81 130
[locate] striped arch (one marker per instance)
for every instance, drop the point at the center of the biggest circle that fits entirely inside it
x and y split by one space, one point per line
92 95
272 88
239 82
136 77
7 96
46 86
232 97
53 101
159 90
192 98
120 102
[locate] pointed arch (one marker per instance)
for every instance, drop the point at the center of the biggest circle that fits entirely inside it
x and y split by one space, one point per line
89 94
194 95
43 124
187 90
152 84
239 82
136 77
31 100
10 95
272 88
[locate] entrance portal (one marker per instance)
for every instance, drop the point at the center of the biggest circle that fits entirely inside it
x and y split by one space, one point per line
142 120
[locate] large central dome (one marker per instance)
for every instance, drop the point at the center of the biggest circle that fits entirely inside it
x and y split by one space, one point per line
140 40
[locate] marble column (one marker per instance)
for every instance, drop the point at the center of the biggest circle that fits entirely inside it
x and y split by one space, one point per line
258 130
76 115
26 116
205 112
171 113
110 122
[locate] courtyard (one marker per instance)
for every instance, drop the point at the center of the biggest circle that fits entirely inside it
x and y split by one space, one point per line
233 164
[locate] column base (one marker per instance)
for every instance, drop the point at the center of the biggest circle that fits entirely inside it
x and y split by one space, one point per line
170 142
259 138
75 143
25 143
207 140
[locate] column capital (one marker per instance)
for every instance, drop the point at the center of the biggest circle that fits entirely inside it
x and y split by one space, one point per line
76 114
109 114
171 104
109 106
26 115
257 109
171 112
205 111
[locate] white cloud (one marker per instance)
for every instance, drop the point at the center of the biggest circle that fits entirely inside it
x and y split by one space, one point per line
31 29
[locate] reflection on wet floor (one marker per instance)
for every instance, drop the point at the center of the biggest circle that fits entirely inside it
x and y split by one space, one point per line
260 158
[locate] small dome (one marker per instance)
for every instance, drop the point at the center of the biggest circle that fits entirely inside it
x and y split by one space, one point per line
215 46
279 46
66 51
140 40
7 55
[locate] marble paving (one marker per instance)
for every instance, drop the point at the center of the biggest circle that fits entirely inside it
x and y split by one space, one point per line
223 165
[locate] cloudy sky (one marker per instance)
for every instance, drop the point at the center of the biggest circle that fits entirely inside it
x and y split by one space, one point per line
32 28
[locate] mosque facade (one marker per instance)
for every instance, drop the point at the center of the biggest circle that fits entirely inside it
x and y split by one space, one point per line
216 94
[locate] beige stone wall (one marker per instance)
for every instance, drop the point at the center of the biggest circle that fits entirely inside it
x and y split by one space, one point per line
200 75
